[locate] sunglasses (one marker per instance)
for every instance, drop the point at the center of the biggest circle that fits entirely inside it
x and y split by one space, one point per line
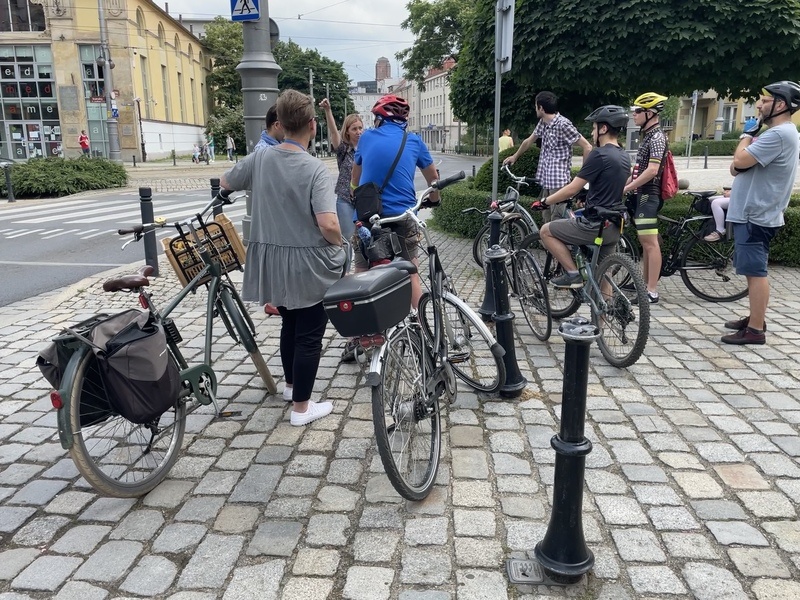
639 111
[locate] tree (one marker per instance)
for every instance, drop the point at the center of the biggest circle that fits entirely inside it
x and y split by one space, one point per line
438 28
610 51
225 43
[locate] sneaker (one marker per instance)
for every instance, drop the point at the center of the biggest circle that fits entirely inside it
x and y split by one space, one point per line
315 410
349 352
568 281
651 298
747 335
740 324
270 309
287 394
714 236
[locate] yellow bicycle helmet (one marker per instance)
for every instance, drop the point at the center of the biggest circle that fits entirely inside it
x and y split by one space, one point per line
651 101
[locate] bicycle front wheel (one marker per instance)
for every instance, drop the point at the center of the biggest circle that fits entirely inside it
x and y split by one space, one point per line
117 457
471 347
625 321
563 302
407 422
707 270
241 321
531 291
516 230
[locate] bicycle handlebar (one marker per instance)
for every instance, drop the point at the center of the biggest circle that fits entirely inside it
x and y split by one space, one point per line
520 180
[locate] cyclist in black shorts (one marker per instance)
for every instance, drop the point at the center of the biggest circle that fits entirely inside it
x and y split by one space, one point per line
605 170
647 185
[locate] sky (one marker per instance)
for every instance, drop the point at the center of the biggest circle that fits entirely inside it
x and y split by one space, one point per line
354 32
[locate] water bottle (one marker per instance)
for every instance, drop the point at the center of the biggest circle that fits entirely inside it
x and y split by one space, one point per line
580 262
363 234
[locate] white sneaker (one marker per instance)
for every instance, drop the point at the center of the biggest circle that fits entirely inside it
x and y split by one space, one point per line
287 394
316 410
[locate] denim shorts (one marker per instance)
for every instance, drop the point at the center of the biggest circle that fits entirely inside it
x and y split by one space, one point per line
751 248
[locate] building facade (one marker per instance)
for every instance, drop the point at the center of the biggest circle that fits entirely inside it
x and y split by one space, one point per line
52 87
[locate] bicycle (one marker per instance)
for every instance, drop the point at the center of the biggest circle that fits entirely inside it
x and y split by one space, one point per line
513 230
616 295
123 459
706 268
417 361
525 278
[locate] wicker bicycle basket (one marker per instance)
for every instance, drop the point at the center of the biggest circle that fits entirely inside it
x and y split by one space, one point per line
223 240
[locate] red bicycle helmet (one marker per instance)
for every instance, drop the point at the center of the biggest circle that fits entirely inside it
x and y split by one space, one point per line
391 107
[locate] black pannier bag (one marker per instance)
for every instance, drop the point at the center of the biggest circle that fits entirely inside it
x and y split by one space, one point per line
136 372
368 302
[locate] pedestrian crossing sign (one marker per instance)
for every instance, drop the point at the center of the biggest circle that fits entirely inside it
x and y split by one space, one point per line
245 10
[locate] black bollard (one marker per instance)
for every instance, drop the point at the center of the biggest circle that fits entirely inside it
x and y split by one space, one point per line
705 157
150 248
134 161
473 170
174 158
214 192
9 185
503 318
487 308
563 553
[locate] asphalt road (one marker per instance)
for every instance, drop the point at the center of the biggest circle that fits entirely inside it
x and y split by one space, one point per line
48 244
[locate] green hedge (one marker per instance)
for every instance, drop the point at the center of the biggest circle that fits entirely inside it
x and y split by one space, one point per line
53 177
715 147
456 198
526 165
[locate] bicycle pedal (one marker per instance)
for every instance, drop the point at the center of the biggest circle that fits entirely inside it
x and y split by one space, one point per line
458 358
227 414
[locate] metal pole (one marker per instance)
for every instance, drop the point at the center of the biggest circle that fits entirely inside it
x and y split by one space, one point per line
563 553
259 74
488 307
705 157
141 127
719 120
134 161
150 248
111 103
691 128
328 147
214 192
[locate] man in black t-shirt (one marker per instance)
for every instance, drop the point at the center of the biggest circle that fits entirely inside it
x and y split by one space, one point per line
606 170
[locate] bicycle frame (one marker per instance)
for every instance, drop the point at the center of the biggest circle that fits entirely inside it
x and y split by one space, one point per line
685 231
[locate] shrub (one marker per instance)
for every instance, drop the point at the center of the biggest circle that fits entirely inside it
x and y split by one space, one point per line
53 177
455 198
715 148
526 165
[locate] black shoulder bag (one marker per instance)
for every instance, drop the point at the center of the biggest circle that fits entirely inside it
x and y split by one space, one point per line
367 197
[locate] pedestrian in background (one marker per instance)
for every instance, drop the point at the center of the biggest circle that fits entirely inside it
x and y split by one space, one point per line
83 140
230 146
506 141
764 169
210 139
273 134
558 135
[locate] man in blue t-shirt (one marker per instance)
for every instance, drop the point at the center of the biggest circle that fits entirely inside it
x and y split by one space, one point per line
764 170
376 151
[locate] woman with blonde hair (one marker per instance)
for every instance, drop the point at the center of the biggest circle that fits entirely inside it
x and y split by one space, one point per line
344 143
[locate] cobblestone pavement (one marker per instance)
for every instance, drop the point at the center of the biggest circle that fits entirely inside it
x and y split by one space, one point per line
691 488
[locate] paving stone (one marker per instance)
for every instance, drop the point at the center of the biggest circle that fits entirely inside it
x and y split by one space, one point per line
307 588
109 562
524 535
368 583
470 464
39 531
472 494
474 523
516 484
708 582
602 482
506 441
212 562
758 562
336 499
767 589
619 510
80 590
374 546
786 533
19 473
698 485
200 508
15 560
344 471
645 473
257 582
767 504
327 530
466 436
655 580
379 489
139 525
81 539
69 503
151 577
425 567
718 510
46 573
528 508
236 519
672 517
736 532
168 494
275 539
107 509
257 484
435 503
318 562
637 545
741 477
12 518
426 595
477 585
472 552
179 537
426 531
39 492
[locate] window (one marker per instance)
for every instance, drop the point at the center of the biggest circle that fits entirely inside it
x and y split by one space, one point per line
165 86
177 47
92 75
194 102
141 29
21 15
147 97
161 39
181 98
200 58
191 56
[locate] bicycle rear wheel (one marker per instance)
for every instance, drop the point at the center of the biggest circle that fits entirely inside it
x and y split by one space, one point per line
407 422
471 347
625 322
516 229
531 291
707 270
117 457
243 324
563 302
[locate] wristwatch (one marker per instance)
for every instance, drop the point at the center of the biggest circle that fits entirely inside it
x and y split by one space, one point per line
544 201
745 135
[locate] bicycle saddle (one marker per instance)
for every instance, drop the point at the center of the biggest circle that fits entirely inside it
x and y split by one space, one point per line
403 265
705 194
129 282
611 213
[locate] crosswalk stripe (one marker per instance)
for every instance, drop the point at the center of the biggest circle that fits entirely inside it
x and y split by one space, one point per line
129 212
38 208
53 234
11 236
104 232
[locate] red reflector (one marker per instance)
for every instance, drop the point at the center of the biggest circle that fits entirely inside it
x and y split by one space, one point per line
345 306
55 398
371 341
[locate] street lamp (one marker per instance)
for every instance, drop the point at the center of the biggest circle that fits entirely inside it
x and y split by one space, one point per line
111 104
141 129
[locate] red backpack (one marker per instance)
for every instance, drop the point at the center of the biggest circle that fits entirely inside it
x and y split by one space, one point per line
669 177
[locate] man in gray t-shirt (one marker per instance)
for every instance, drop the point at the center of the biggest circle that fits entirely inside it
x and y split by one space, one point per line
764 170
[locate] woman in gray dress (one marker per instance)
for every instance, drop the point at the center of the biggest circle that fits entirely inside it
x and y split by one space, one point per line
295 250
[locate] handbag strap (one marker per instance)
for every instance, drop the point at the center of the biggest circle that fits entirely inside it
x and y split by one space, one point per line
396 160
